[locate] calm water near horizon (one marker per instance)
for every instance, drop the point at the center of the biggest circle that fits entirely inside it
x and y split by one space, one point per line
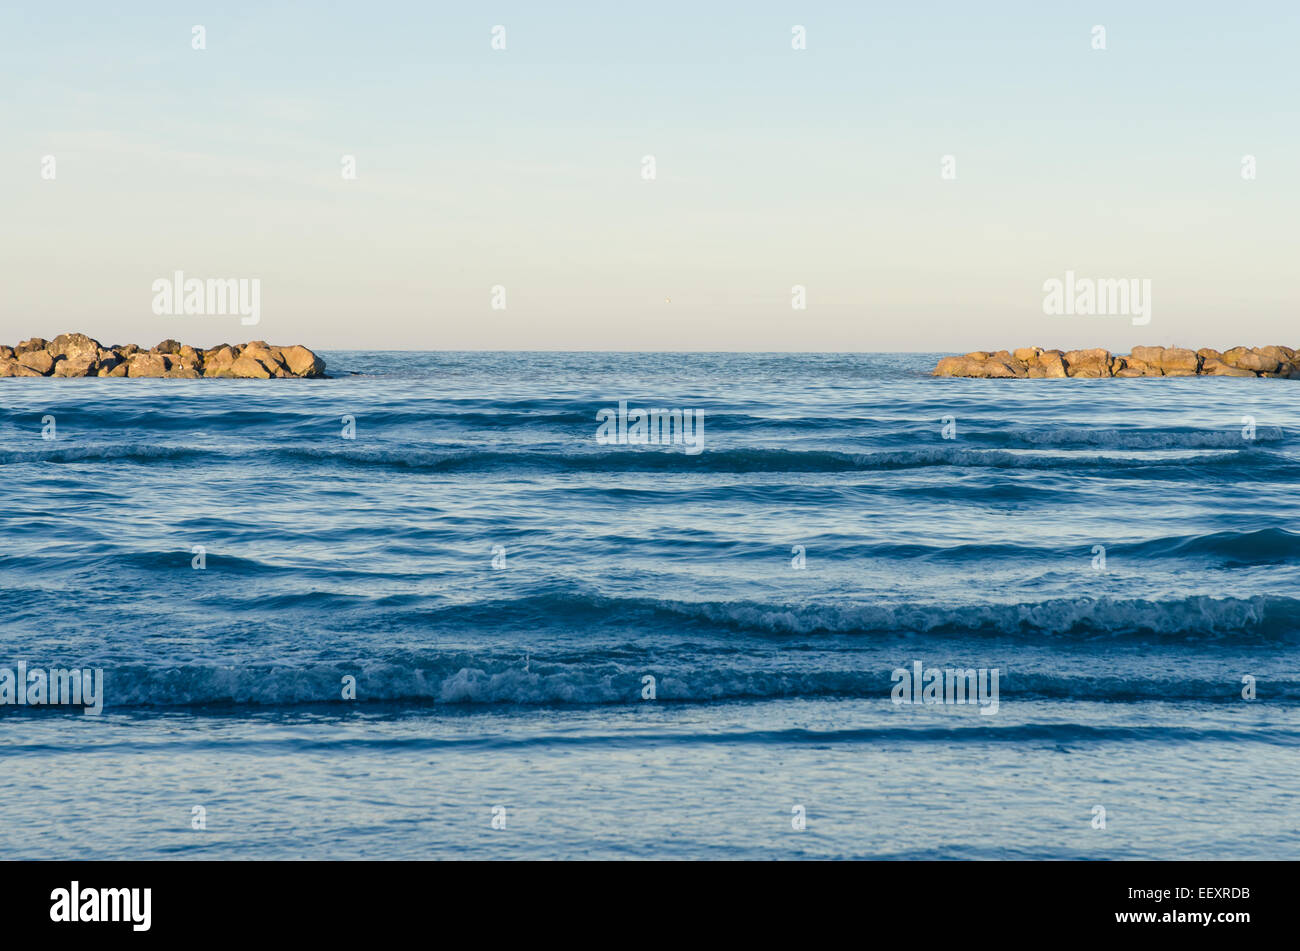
501 585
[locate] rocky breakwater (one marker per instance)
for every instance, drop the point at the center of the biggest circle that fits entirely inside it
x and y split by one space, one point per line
79 355
1037 363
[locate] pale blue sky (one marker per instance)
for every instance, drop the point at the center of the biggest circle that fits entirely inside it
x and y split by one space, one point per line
776 167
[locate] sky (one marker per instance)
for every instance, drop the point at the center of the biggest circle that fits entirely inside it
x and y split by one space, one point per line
500 197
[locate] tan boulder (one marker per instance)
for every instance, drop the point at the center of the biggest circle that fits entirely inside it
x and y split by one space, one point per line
1176 361
76 366
247 367
168 346
1151 356
1283 355
107 359
39 360
74 346
302 362
1088 363
1246 359
970 367
1052 363
1146 368
218 361
1027 354
954 366
1213 367
190 357
14 368
146 364
269 357
35 343
1004 369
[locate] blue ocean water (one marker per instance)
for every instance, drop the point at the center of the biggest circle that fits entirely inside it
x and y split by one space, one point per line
500 585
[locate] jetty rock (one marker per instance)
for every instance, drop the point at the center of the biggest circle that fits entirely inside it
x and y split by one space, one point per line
79 355
1037 363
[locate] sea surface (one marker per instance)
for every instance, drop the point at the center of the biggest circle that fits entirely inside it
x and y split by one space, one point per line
1125 554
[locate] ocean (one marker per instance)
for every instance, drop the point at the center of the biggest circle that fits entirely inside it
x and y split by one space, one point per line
419 610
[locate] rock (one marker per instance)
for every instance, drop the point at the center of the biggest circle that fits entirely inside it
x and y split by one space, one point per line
1053 364
73 346
1135 368
146 364
1036 363
107 359
14 368
269 357
1088 363
1214 367
217 362
75 354
1285 356
38 360
1148 355
1176 361
956 366
1003 369
1246 359
190 357
971 367
77 366
247 367
1003 365
1171 361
